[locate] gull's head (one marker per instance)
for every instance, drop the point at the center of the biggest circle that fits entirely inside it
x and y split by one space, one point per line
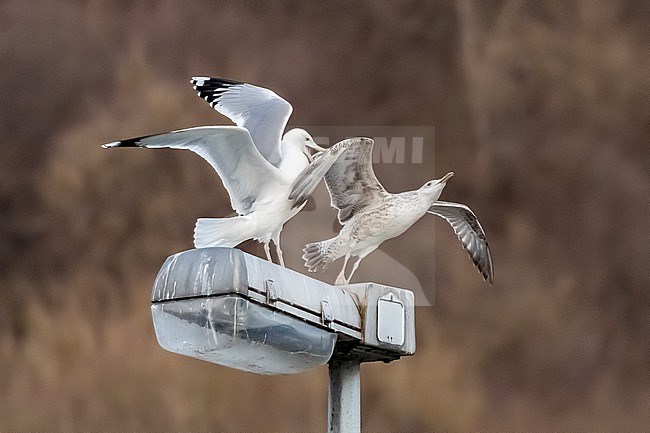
433 188
302 140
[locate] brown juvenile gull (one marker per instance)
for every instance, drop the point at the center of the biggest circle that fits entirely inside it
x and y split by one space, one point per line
370 215
255 162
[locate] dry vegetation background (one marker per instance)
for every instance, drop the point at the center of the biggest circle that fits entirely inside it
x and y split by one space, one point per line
541 108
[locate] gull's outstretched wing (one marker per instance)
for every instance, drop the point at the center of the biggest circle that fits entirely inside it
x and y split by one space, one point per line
469 231
349 176
257 109
229 150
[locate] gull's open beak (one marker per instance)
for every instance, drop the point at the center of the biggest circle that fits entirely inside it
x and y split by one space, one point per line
446 177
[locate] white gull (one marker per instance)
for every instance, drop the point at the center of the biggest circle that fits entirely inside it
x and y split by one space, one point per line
370 215
256 163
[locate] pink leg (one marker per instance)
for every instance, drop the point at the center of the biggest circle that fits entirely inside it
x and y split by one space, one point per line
341 277
267 250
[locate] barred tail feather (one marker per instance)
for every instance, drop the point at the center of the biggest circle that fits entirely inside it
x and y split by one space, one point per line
319 255
222 232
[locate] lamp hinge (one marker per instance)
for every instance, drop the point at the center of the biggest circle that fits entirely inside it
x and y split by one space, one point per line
271 291
326 314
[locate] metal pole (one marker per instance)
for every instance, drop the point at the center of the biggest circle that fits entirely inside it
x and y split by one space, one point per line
344 400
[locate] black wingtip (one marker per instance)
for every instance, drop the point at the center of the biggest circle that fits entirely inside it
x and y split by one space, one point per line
213 83
129 142
211 89
123 143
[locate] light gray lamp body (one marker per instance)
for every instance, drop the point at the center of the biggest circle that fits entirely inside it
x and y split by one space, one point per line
231 308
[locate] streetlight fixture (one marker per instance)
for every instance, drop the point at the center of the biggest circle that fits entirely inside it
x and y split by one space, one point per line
231 308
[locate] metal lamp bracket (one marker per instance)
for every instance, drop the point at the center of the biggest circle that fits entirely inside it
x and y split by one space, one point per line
326 314
271 291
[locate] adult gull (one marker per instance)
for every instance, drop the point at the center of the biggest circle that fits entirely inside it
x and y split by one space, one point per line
370 215
256 163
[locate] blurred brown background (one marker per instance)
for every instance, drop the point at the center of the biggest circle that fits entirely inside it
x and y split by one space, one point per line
541 108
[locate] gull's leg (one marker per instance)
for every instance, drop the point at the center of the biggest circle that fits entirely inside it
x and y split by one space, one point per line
341 277
354 267
267 250
356 264
278 250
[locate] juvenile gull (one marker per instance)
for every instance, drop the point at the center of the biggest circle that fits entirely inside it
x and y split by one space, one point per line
370 215
255 162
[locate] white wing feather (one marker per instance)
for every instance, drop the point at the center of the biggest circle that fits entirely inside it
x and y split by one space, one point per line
261 111
245 174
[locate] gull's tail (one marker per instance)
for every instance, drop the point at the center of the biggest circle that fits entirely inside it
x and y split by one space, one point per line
222 232
319 255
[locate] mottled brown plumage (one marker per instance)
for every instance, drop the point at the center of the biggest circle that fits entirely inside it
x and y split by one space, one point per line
370 215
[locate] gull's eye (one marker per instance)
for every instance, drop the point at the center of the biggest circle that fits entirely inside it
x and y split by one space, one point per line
428 183
306 138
